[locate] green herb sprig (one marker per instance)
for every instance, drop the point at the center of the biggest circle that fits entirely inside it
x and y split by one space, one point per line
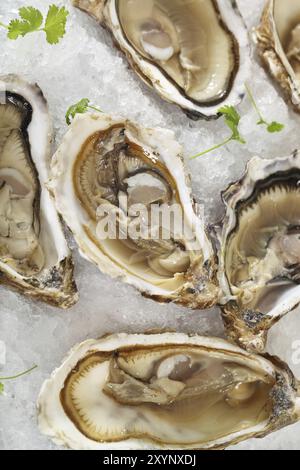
82 107
31 20
232 119
14 377
273 126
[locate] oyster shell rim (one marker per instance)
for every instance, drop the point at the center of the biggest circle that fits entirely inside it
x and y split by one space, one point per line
248 328
66 295
285 410
97 122
273 56
158 81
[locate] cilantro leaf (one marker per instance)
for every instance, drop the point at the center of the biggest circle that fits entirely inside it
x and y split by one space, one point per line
1 388
231 115
79 108
232 119
17 28
32 20
55 26
33 16
275 127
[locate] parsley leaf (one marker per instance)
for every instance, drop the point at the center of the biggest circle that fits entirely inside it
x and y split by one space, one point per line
31 20
232 119
55 26
1 388
81 107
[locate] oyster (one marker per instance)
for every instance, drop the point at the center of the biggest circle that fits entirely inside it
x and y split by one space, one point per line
260 249
165 390
34 256
194 53
278 38
125 194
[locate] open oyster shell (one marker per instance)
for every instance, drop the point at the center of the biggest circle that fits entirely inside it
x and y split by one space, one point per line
278 38
194 54
109 171
34 256
165 391
259 249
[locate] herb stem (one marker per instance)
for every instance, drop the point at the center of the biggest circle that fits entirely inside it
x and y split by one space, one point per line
95 109
273 126
251 97
3 25
216 147
13 377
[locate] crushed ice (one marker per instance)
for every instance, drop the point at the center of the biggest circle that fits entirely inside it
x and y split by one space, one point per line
84 64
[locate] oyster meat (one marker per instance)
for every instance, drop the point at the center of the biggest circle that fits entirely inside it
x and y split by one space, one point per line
194 53
260 249
278 38
34 256
165 391
125 194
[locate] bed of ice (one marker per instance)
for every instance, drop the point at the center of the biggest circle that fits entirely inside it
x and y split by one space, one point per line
85 64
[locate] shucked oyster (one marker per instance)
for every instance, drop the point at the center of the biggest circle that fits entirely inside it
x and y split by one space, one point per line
278 38
194 53
124 192
165 391
260 249
34 257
